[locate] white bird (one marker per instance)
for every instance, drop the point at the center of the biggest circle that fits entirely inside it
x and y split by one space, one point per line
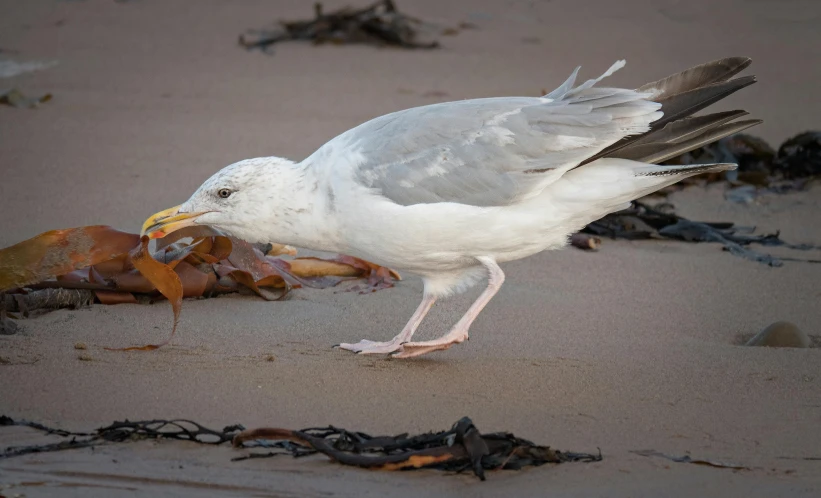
448 191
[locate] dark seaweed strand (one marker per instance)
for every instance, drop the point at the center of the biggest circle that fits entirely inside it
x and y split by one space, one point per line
470 448
180 429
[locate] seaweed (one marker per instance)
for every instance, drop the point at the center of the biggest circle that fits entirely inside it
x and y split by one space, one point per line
71 268
458 449
641 221
689 459
379 24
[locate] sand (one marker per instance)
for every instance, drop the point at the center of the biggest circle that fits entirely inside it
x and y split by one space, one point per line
634 347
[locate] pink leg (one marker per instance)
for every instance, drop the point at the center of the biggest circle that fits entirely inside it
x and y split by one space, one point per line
460 331
372 347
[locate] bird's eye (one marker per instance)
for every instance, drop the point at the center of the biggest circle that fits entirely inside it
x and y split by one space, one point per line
224 193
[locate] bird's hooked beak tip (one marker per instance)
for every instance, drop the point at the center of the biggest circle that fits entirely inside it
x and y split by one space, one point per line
170 220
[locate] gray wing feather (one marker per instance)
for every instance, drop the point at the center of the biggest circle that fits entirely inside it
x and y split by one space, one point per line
496 151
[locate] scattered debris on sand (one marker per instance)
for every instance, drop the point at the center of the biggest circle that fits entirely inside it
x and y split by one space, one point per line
15 98
585 241
379 24
457 450
761 169
689 459
642 221
797 161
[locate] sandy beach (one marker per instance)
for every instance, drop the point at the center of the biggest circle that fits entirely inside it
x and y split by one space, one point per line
633 347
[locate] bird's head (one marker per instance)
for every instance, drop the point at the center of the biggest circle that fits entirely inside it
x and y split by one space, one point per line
232 200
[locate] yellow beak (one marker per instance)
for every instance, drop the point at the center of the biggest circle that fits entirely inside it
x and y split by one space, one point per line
161 224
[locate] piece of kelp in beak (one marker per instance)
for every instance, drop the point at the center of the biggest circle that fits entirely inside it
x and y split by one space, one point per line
169 220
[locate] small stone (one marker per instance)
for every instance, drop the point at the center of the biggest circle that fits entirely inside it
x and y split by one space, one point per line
80 345
7 326
270 357
781 335
85 357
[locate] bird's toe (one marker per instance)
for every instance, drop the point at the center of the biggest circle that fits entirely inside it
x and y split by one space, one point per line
371 347
410 350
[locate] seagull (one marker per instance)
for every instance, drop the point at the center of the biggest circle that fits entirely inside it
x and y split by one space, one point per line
449 191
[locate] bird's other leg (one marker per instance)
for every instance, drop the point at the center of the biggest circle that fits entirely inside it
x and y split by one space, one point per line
459 332
372 347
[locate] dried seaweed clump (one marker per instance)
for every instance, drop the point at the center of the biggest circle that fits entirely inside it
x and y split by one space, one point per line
378 24
641 221
459 449
795 165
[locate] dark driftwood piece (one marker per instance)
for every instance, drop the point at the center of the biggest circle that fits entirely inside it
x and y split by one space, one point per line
585 241
378 24
461 448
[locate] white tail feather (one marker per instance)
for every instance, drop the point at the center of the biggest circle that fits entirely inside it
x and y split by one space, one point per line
606 185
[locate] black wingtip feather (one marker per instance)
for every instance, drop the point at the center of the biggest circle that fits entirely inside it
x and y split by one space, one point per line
705 74
682 95
690 170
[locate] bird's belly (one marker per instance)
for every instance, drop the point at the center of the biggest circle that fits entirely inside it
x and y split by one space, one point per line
444 237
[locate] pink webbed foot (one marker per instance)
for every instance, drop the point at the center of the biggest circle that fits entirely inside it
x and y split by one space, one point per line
372 347
412 349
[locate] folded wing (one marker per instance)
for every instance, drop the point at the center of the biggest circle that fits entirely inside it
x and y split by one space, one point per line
499 151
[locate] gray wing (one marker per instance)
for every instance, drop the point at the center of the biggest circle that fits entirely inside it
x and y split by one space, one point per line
496 151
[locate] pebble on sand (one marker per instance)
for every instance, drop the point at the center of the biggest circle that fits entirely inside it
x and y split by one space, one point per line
781 335
8 327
